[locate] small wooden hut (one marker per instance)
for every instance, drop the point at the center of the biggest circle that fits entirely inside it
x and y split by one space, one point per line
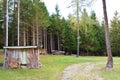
21 57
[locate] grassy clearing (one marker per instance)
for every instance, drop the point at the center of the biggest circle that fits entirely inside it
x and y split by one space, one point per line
52 68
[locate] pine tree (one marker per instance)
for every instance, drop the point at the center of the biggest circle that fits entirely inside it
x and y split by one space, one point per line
108 47
115 34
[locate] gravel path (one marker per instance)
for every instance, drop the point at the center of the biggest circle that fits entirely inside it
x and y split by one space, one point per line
82 71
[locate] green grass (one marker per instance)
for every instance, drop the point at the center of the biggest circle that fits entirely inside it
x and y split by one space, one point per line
113 74
52 68
1 55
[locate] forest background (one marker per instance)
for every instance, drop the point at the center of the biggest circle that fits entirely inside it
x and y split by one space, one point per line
54 32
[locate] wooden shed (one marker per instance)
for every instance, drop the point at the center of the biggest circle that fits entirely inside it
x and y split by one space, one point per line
21 57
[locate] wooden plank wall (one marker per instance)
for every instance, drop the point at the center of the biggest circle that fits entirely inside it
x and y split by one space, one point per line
23 58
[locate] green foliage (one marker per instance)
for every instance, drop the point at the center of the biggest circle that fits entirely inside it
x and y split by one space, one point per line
115 34
55 24
1 13
92 39
62 28
55 21
32 14
68 37
32 10
1 24
91 33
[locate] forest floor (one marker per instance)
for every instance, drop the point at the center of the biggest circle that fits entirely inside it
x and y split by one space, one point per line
83 71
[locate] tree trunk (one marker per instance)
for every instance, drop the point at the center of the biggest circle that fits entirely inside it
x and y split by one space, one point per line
18 26
24 37
58 42
108 47
78 36
13 37
13 31
5 32
46 39
44 36
33 36
51 42
6 23
40 34
27 37
37 28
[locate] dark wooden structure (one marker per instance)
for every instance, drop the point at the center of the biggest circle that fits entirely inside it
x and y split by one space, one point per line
22 57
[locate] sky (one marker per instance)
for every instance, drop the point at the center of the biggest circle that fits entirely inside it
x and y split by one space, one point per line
112 6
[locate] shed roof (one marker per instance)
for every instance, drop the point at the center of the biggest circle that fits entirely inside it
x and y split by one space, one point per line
19 47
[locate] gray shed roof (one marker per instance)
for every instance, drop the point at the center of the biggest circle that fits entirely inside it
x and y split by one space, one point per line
19 47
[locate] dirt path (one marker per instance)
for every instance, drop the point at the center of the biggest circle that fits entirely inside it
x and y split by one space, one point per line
82 71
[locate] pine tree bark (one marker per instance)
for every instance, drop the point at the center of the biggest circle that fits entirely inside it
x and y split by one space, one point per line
18 24
5 31
27 44
78 36
33 36
46 39
108 47
44 35
51 42
24 37
58 42
6 22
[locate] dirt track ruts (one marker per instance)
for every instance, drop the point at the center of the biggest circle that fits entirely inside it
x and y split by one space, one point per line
82 71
